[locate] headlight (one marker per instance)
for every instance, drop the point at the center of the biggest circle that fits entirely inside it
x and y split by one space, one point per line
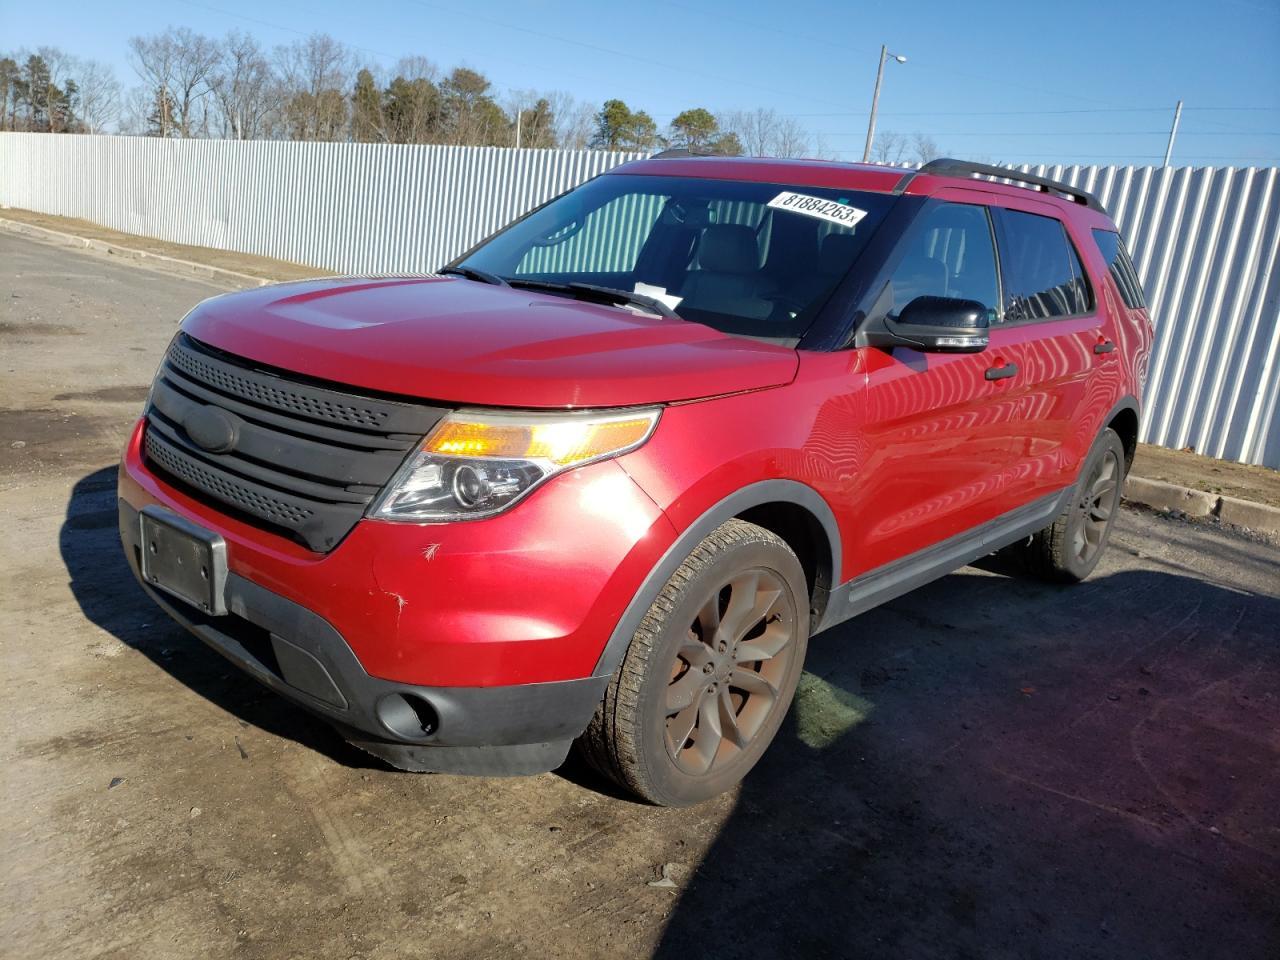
475 465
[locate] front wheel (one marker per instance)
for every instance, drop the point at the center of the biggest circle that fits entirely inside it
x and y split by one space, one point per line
1069 548
709 674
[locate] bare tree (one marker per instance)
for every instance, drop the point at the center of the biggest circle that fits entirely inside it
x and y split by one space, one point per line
177 66
924 148
891 148
766 133
152 58
315 74
242 86
98 95
416 67
574 120
197 58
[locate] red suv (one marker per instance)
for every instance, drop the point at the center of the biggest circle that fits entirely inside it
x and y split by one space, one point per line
603 477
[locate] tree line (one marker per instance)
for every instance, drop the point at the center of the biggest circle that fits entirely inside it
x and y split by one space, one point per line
195 86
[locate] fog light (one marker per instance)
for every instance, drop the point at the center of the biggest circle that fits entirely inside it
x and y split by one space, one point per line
407 716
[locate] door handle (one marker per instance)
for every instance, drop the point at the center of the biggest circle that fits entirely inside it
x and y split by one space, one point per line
1103 346
1001 371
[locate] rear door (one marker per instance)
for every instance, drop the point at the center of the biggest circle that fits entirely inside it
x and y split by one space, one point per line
1050 316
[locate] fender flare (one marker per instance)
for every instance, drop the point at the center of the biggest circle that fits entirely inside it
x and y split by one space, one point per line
1127 402
753 495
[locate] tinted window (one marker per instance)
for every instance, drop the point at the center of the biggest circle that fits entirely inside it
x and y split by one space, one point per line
1042 273
758 259
1121 268
949 254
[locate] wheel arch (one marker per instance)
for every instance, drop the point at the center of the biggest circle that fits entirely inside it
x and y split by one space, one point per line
1124 420
792 510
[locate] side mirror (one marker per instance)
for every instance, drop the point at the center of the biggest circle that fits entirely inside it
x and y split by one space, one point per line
939 325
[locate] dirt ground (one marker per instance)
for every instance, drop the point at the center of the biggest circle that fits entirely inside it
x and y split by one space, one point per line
247 263
1222 477
987 768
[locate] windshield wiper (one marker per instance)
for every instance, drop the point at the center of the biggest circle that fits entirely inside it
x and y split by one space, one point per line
471 273
598 294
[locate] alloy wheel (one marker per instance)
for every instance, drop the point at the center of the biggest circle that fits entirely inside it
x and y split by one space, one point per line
726 679
1095 508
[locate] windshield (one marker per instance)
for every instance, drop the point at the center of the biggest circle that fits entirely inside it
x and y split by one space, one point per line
753 259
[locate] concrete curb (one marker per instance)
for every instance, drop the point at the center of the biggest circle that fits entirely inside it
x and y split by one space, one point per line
169 264
1158 495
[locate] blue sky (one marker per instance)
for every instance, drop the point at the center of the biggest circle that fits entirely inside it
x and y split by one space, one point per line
1080 82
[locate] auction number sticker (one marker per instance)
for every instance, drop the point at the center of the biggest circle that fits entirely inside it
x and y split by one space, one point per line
830 210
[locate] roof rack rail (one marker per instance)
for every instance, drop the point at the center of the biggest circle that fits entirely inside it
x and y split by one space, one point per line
674 152
947 167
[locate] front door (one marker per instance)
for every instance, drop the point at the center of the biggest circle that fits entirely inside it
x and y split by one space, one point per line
944 431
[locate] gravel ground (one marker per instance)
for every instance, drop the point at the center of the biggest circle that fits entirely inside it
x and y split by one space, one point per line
988 767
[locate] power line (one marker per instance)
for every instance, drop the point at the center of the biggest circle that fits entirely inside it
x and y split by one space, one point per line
665 65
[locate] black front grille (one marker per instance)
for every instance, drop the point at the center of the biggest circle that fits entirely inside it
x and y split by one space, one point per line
300 457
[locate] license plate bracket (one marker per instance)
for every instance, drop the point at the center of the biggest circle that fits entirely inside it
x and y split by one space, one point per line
183 559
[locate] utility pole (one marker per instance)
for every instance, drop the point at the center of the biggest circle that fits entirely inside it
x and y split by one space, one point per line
1173 132
875 99
519 112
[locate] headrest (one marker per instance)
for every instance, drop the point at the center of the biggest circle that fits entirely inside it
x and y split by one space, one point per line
836 254
729 248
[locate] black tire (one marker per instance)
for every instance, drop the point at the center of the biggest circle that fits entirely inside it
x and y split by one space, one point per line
1068 549
741 592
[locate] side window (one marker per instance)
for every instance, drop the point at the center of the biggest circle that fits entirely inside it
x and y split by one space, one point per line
950 254
1121 268
1043 277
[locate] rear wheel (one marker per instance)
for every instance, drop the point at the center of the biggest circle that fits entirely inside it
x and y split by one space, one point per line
1069 548
710 673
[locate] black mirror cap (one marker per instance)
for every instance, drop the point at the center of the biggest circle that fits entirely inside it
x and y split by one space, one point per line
941 325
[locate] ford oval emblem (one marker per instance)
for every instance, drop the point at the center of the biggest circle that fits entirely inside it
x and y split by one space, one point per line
211 429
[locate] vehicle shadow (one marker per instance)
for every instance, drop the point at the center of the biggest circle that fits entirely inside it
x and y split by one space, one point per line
991 767
108 594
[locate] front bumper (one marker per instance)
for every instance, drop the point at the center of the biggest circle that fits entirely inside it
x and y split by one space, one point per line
494 731
490 630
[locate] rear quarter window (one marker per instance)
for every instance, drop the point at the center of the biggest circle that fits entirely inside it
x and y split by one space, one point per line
1121 268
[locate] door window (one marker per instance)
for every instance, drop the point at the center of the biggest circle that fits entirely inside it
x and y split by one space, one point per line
950 254
1043 277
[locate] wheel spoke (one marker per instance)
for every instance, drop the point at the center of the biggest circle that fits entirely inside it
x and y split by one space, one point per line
1102 487
685 691
766 646
753 683
1100 512
693 651
709 736
680 728
709 618
729 720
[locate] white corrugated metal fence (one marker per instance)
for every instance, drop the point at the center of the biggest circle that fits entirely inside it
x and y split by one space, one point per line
1206 241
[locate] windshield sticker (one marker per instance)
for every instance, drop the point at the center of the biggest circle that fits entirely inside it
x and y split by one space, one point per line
830 210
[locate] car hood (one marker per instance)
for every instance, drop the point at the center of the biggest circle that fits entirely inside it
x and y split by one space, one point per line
458 341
